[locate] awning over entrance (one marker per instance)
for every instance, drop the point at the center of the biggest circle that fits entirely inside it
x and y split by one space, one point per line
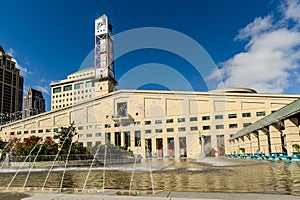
283 113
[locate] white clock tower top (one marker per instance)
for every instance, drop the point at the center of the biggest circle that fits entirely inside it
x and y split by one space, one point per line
104 55
101 25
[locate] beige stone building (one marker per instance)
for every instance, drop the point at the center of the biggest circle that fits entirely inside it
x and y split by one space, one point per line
77 87
274 134
156 123
150 123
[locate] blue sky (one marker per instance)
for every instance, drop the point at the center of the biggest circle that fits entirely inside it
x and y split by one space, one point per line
253 43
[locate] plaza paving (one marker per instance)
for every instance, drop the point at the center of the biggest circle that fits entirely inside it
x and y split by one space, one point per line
165 196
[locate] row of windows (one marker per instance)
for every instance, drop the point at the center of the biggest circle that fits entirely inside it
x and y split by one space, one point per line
82 97
81 85
80 75
61 106
221 126
148 131
48 130
61 95
62 100
89 135
234 115
84 91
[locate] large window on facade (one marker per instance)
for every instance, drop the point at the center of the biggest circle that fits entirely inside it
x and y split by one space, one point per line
220 126
98 134
89 135
137 123
246 114
246 124
194 128
181 129
89 84
218 117
193 119
169 121
78 86
158 121
158 130
126 124
262 113
57 89
233 125
170 129
122 110
88 127
148 131
206 128
181 119
67 87
204 118
231 116
98 126
137 138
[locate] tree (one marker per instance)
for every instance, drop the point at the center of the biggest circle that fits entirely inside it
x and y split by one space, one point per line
50 147
65 136
25 147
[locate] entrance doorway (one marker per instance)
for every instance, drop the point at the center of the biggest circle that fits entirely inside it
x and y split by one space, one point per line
182 147
117 139
220 145
107 138
171 149
148 148
159 147
207 145
126 139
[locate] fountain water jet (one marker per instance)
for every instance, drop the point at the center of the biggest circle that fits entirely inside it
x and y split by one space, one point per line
27 177
41 139
87 177
46 179
64 171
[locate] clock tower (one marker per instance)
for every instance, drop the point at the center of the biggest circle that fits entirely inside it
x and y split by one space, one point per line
104 57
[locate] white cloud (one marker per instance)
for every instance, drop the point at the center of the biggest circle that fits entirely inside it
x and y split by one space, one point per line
43 89
258 26
291 10
23 70
270 58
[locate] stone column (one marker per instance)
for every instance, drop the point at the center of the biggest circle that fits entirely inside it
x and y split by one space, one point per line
255 147
165 147
231 147
176 147
122 138
238 145
248 145
275 136
291 133
263 139
142 147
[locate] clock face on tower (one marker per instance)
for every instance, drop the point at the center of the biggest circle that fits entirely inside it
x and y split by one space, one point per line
101 25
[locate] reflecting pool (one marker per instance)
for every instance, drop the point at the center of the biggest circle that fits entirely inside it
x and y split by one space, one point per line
203 175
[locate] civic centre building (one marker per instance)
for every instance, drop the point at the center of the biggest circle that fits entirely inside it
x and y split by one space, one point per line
158 123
